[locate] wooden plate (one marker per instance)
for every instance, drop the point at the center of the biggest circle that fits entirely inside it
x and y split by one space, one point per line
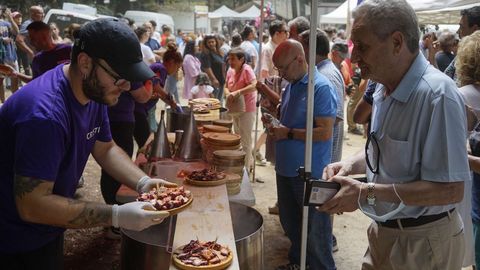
229 177
222 265
177 210
229 154
215 128
227 139
224 123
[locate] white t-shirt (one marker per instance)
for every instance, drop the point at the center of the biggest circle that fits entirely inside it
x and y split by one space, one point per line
201 91
147 54
248 47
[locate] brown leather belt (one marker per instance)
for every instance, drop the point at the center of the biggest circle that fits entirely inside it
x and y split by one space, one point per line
412 222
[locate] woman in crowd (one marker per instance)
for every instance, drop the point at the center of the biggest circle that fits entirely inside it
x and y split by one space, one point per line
191 68
241 84
467 64
68 32
212 64
147 53
55 33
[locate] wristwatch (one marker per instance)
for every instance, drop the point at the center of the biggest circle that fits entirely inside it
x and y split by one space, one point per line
290 134
371 194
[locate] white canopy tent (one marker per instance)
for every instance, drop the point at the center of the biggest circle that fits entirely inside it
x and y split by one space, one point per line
222 12
449 15
339 15
428 11
251 13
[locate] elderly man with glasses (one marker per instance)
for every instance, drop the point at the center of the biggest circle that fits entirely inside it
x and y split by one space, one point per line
415 158
48 129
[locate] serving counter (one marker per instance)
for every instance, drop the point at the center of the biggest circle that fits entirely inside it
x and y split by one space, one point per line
208 218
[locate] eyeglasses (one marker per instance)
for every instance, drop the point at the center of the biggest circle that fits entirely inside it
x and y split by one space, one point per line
372 159
118 81
280 70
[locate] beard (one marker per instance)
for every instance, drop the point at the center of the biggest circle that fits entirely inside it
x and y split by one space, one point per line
94 91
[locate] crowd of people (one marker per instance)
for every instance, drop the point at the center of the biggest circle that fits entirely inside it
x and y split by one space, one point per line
416 99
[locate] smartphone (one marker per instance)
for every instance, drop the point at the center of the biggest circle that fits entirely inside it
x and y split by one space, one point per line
319 191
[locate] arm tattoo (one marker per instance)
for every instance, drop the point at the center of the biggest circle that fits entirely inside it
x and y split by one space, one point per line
91 215
23 185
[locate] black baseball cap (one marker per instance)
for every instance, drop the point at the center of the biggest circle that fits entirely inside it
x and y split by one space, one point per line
116 43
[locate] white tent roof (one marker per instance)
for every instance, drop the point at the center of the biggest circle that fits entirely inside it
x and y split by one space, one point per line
339 15
450 15
428 11
424 5
223 12
252 12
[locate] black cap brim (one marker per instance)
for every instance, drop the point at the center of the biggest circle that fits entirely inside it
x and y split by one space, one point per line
138 72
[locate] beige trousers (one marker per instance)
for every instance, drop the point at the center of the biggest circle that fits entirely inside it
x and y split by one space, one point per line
243 126
436 245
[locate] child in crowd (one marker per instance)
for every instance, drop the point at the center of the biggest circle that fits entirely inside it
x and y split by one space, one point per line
202 88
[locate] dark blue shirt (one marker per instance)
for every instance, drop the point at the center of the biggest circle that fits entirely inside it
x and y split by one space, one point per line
290 154
153 44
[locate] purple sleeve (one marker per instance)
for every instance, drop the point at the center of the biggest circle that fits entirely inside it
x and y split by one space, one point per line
105 135
39 149
36 70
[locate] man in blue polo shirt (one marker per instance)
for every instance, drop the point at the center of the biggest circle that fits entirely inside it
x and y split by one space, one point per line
289 59
47 131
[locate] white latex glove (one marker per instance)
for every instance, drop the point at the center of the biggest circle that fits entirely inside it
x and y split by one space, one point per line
136 216
145 184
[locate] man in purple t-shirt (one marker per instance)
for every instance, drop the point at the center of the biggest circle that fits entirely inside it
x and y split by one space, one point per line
47 131
50 54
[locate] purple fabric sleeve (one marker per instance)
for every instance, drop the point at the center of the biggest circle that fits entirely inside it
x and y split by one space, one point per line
39 149
105 135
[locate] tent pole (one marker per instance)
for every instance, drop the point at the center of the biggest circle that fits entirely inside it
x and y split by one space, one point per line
309 124
259 73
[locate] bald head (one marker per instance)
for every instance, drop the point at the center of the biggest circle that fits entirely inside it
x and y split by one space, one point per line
289 58
36 13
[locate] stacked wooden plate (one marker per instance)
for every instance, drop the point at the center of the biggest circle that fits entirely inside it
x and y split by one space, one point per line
223 123
213 141
211 103
230 161
215 128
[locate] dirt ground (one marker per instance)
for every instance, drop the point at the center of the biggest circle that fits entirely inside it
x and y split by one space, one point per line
89 249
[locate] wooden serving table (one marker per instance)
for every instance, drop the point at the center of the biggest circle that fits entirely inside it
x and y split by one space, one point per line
208 217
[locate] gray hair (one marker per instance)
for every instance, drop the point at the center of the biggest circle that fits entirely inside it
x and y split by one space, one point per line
387 16
447 41
301 24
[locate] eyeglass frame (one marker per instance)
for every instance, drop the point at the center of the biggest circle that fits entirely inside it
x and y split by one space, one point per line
117 78
286 67
371 138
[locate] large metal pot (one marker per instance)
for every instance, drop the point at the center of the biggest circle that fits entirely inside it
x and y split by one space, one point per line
248 231
176 120
152 248
148 249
